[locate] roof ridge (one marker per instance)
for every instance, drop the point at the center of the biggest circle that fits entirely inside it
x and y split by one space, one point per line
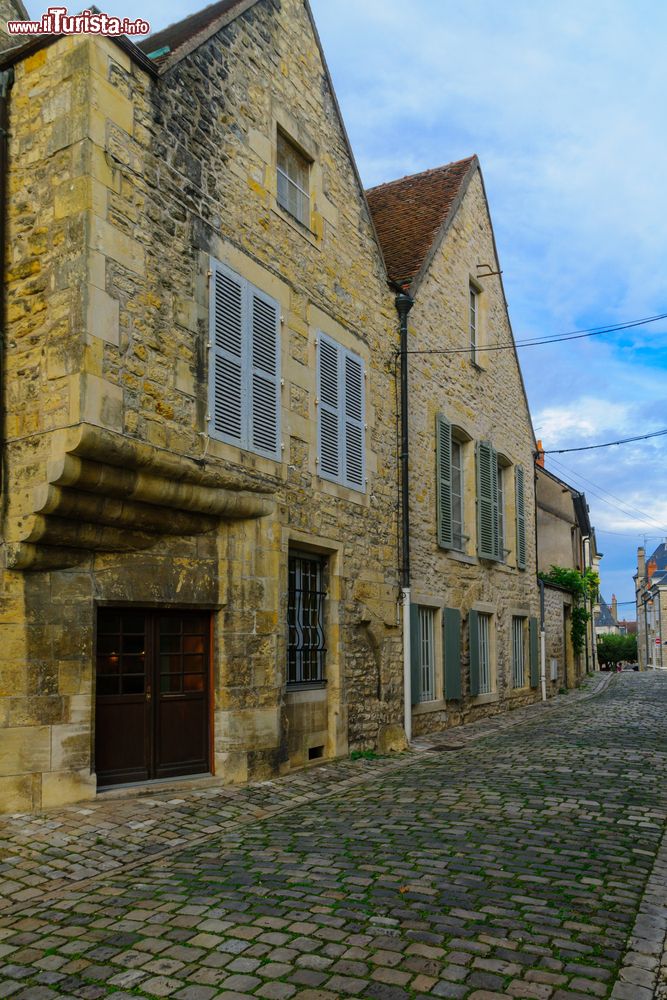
424 173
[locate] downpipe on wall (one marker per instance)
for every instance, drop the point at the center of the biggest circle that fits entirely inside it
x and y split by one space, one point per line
404 304
543 645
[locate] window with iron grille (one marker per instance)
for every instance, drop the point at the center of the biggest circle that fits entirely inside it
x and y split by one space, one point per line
518 652
306 648
293 180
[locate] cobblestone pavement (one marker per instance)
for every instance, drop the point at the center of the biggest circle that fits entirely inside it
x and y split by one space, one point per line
528 863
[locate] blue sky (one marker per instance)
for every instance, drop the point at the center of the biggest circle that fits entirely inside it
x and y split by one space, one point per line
564 105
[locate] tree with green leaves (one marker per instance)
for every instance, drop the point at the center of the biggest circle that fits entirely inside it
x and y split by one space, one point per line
583 586
614 649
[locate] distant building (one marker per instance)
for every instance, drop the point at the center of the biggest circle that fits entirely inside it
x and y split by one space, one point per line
651 595
605 620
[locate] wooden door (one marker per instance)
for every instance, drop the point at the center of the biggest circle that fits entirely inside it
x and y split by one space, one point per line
152 694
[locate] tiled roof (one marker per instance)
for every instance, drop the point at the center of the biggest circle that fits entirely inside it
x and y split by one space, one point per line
660 556
604 617
408 214
176 35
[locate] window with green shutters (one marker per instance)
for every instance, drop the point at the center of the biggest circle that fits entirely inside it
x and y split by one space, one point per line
482 673
449 486
244 364
489 543
424 679
519 487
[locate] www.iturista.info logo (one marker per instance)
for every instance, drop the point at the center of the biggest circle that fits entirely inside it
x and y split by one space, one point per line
56 21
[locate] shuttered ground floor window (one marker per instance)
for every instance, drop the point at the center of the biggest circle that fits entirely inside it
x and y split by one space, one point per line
427 654
484 654
518 652
306 646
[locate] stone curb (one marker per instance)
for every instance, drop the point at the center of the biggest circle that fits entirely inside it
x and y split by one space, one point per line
466 734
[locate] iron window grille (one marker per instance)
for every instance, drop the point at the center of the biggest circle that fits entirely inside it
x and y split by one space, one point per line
427 653
518 652
484 655
306 645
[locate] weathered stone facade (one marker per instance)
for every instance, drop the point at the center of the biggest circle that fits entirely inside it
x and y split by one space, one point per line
123 185
484 401
10 10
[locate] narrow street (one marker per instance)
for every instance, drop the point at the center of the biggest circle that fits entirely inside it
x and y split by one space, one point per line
514 866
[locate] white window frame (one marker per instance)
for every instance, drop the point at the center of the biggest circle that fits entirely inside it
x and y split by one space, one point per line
485 672
458 500
302 215
427 617
473 320
345 421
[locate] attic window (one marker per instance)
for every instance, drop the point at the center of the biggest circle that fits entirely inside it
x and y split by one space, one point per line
293 180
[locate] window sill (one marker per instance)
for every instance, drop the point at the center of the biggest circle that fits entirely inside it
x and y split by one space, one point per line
485 699
305 231
461 557
424 707
305 686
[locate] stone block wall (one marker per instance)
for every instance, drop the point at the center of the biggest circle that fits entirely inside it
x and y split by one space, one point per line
122 186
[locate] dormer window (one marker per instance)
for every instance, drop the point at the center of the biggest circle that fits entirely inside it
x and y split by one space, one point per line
293 180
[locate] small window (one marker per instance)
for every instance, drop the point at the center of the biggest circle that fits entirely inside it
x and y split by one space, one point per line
473 322
293 180
518 652
485 681
306 648
426 641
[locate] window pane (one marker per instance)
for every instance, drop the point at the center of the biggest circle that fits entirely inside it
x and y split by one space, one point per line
293 180
457 495
484 655
427 654
305 620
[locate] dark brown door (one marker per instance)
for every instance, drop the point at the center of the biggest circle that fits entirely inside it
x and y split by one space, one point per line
152 694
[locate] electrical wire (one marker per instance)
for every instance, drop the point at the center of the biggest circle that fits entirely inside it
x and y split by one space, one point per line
626 504
595 331
607 444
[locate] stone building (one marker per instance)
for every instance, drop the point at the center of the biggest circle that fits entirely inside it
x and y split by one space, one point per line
10 10
651 594
565 538
475 603
199 462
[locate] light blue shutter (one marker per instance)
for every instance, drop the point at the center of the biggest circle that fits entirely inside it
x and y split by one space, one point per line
226 332
353 420
451 644
473 645
443 443
534 655
415 655
487 502
329 392
265 373
520 517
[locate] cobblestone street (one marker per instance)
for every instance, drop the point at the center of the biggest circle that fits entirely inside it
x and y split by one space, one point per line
525 861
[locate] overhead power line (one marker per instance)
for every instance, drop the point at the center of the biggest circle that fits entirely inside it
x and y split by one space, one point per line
627 506
607 444
595 331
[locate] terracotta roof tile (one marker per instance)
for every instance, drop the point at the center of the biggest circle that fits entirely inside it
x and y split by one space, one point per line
175 35
409 212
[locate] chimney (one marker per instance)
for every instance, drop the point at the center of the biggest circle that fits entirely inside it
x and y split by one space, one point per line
614 608
641 563
650 569
539 458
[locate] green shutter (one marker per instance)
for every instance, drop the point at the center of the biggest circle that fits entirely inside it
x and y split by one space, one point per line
443 441
534 654
487 502
473 644
451 644
520 517
415 658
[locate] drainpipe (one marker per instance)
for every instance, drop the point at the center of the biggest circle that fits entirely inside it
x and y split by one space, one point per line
543 644
404 304
6 81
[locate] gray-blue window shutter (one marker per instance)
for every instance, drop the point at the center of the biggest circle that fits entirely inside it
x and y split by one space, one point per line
473 645
487 502
520 517
443 445
329 394
451 644
264 352
353 420
226 334
415 657
533 652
